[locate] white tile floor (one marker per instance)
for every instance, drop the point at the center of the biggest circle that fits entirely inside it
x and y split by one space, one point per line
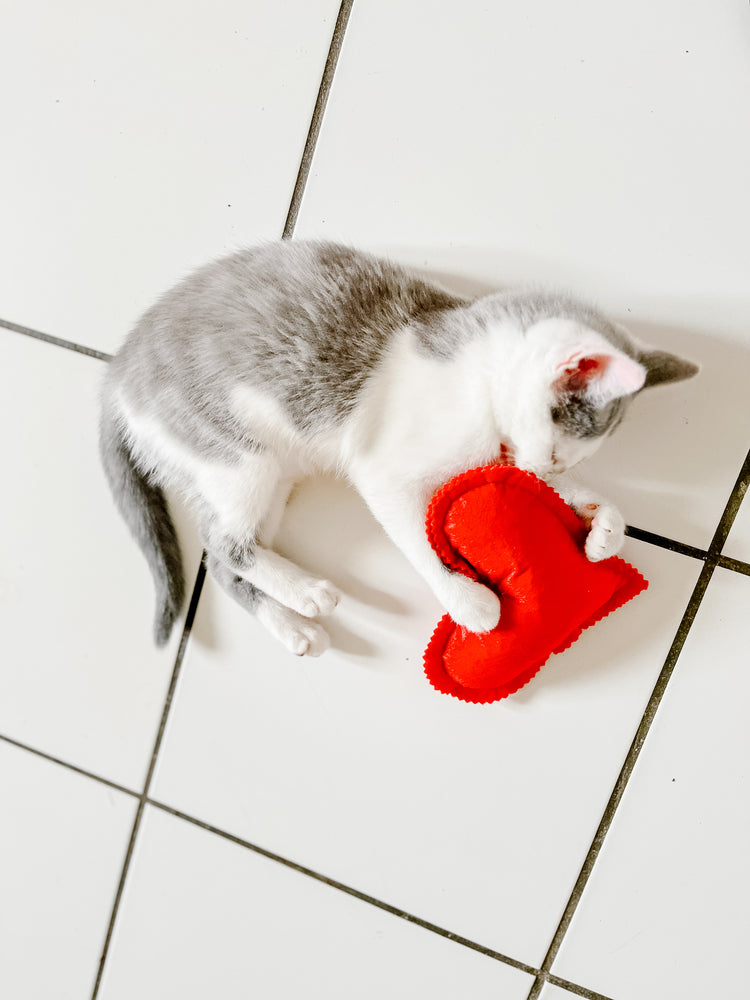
336 829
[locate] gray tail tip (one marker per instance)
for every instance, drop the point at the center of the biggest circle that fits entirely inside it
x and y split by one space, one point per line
169 602
163 629
166 616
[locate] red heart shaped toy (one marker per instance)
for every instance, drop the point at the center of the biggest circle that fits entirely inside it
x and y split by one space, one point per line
509 530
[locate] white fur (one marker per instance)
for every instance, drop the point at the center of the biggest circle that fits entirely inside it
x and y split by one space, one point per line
300 635
421 420
425 420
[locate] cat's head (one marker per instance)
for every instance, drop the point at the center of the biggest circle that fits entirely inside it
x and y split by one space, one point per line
577 384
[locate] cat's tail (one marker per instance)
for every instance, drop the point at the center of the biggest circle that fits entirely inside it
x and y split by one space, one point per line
144 509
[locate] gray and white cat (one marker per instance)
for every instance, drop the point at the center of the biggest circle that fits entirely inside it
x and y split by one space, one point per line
298 358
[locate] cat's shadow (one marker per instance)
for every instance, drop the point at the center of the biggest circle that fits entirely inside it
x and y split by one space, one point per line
672 462
328 531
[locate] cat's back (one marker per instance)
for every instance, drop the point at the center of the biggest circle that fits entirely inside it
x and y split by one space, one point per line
298 316
291 288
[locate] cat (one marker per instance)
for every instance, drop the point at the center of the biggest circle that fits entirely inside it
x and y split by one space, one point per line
296 358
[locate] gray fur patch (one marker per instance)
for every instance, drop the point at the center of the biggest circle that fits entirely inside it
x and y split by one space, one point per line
244 593
662 367
236 553
573 412
310 323
310 320
578 416
144 509
527 307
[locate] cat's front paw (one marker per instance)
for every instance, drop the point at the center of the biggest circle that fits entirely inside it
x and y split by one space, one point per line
607 533
472 605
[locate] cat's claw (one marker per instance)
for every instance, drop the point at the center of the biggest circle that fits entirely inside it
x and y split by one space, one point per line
472 605
606 535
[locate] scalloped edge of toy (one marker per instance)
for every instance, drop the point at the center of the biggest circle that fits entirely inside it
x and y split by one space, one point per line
441 680
488 475
634 582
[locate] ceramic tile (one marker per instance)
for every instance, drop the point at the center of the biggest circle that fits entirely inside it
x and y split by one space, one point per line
596 149
476 818
665 912
206 917
80 678
738 542
601 150
62 841
148 140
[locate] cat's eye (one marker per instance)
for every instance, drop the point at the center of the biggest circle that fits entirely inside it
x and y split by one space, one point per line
556 414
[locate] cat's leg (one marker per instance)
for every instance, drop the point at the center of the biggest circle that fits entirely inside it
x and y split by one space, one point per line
244 507
606 524
300 635
402 511
271 523
286 582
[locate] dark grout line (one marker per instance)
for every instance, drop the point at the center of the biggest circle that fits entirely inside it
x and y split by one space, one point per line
348 890
68 766
726 562
379 904
712 560
317 117
665 543
579 991
303 173
652 538
69 345
624 775
145 800
143 797
291 220
200 578
732 508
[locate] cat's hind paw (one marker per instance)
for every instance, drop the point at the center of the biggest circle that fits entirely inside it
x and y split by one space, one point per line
298 634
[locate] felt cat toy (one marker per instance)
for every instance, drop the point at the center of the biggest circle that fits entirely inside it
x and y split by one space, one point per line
511 531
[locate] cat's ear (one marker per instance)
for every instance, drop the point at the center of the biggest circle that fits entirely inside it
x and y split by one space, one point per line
602 375
662 367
